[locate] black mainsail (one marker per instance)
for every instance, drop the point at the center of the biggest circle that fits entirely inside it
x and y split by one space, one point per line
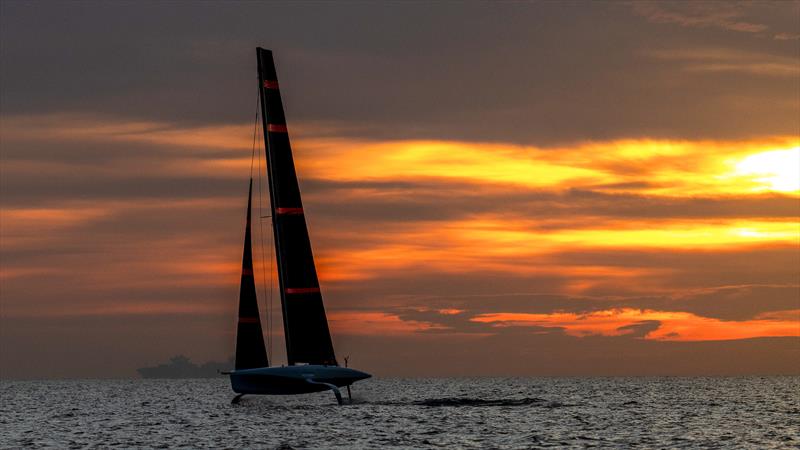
250 350
308 340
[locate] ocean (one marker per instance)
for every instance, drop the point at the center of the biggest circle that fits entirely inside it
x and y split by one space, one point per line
647 412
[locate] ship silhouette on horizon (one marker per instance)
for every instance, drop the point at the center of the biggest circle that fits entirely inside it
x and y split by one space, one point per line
180 366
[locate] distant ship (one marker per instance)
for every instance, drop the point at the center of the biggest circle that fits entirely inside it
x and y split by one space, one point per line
309 349
181 367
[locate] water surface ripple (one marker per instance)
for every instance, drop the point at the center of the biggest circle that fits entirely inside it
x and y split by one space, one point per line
755 412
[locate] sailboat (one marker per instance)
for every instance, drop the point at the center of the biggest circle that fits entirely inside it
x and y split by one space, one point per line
312 365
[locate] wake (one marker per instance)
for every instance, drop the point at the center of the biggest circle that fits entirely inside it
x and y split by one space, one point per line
469 402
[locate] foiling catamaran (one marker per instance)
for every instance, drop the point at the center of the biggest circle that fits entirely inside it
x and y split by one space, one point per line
312 365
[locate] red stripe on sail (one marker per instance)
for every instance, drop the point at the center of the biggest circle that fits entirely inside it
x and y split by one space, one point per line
248 319
271 84
247 272
275 128
302 290
289 211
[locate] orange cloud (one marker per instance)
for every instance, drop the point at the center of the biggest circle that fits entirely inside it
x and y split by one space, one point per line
672 326
26 227
673 168
519 246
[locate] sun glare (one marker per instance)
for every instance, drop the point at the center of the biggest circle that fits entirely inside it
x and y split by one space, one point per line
776 170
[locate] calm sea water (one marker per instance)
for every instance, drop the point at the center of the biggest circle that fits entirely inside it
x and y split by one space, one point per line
755 412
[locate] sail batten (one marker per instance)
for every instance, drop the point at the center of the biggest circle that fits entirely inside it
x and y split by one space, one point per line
308 339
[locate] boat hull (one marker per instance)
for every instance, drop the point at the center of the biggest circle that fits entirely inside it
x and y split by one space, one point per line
289 380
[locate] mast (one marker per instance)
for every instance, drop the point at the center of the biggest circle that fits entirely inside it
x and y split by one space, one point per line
250 350
305 325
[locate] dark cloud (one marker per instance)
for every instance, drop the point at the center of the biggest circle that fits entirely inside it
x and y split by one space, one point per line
447 200
741 302
690 268
532 73
760 19
640 329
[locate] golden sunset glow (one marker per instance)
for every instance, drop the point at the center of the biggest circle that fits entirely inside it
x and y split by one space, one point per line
502 245
667 167
506 241
670 168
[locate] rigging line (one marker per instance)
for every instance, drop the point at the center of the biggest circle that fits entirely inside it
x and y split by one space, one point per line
271 282
268 303
264 256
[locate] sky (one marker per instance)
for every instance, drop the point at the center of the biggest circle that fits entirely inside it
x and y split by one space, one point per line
491 188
